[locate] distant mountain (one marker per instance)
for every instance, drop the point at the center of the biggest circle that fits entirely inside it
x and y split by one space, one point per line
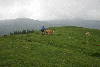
19 24
92 24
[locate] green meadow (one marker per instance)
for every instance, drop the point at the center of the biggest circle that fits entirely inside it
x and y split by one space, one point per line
68 46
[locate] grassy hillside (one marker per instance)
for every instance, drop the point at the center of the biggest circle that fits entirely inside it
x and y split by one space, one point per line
69 46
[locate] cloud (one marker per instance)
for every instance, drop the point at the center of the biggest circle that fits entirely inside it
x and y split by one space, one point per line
93 14
6 3
51 9
69 8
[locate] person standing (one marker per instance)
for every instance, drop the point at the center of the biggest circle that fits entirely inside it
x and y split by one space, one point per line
42 29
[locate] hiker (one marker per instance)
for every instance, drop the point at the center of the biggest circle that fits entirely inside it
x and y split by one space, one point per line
43 34
42 29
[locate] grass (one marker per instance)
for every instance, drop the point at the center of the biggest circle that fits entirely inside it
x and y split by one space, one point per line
67 47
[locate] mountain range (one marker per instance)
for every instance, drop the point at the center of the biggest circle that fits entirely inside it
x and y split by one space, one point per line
19 24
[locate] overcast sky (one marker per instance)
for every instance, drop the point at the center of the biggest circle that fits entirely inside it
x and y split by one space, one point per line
50 9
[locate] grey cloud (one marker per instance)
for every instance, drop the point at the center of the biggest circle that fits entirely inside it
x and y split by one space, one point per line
6 3
54 9
74 9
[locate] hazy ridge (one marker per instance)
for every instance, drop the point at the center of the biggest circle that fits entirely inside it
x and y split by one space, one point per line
19 24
